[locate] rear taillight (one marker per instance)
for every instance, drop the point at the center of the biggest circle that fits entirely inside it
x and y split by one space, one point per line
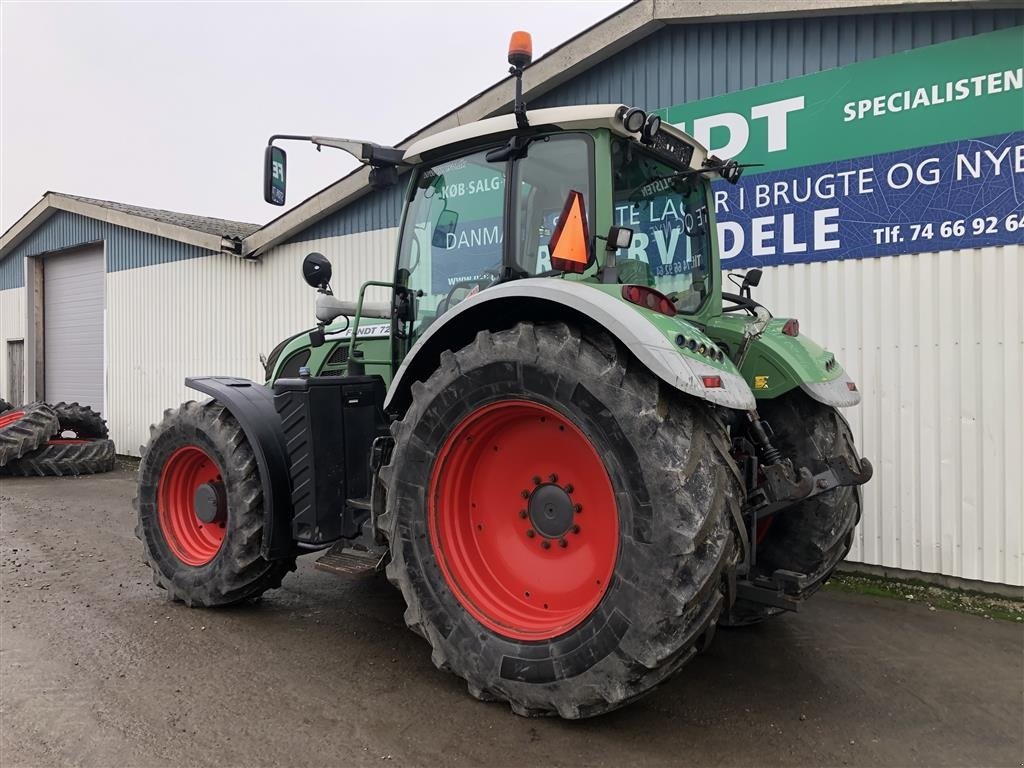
711 382
791 328
648 298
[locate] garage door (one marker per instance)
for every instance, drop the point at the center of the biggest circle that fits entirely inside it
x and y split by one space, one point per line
73 301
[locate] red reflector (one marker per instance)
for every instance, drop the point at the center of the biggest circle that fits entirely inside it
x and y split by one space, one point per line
648 298
712 382
851 386
791 328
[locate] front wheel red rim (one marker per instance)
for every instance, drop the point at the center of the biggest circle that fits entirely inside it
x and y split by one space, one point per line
190 477
523 520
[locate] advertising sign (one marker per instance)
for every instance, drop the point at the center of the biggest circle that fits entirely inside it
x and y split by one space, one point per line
919 151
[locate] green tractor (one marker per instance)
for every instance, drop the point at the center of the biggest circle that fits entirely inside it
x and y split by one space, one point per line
568 447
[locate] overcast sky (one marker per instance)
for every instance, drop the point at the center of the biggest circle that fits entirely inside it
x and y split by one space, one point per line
169 105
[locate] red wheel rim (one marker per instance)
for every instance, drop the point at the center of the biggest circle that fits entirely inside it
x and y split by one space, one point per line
192 540
519 560
6 419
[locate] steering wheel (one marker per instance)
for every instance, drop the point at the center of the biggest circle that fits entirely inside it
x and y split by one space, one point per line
743 304
446 302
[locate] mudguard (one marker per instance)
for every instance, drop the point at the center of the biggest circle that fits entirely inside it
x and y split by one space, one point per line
253 405
777 363
648 336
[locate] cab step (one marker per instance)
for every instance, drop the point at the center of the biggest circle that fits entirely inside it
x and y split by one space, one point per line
349 559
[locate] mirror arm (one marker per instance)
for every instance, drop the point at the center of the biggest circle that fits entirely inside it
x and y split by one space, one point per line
363 151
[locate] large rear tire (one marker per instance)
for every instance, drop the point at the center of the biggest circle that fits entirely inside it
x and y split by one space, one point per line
560 521
812 536
200 509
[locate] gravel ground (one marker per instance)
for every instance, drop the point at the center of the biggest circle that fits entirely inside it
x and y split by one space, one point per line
98 669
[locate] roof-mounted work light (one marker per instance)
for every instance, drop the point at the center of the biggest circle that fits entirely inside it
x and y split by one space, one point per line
633 119
651 127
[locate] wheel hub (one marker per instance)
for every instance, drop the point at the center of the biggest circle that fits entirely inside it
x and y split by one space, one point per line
551 511
210 501
192 505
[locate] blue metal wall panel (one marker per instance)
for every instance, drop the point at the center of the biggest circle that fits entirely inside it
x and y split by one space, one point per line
376 210
697 61
687 62
12 273
126 248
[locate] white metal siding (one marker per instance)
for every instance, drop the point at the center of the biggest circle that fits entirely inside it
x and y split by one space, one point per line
214 316
12 326
936 343
73 305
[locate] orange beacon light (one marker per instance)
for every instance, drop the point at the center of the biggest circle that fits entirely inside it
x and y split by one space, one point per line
520 49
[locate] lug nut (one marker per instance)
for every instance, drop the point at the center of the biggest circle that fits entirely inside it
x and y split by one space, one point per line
536 479
575 529
823 483
553 477
563 543
525 494
530 533
523 513
569 488
578 508
545 544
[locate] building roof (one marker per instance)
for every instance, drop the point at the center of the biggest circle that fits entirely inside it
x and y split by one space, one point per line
236 230
203 231
568 60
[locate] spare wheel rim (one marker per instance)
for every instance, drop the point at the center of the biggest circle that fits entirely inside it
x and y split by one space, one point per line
188 475
523 520
8 418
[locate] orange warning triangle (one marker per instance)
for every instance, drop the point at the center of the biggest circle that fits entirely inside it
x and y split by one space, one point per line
570 244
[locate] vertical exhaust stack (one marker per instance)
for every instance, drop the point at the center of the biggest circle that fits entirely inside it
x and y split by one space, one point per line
520 54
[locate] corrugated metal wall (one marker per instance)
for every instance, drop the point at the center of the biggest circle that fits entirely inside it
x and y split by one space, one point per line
214 316
935 341
12 326
688 62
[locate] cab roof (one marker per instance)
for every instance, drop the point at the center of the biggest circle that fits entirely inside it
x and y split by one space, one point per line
587 117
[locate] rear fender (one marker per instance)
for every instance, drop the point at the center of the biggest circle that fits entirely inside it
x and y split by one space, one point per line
649 339
777 363
252 405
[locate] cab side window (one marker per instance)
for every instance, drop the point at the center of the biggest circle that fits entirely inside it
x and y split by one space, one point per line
554 167
452 238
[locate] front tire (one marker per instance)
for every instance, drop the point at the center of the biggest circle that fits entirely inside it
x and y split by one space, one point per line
200 509
538 435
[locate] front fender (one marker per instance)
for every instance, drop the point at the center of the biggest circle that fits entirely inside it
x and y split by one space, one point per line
648 338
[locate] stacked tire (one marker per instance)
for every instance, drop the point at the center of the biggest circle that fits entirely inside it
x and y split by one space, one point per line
41 440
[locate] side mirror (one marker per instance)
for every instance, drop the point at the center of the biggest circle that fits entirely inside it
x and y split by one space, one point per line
316 270
446 223
752 278
275 167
